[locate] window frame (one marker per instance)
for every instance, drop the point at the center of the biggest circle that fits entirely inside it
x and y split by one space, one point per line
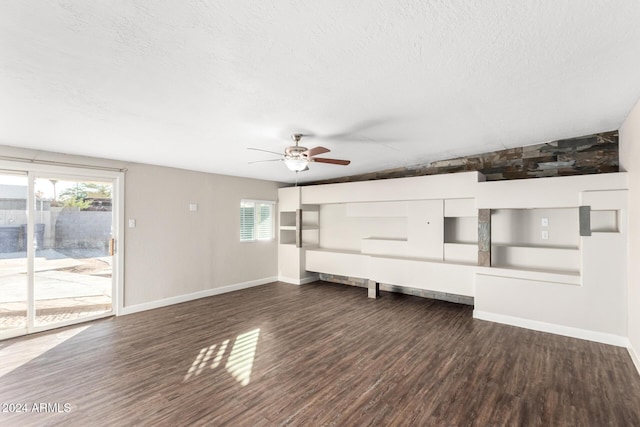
256 222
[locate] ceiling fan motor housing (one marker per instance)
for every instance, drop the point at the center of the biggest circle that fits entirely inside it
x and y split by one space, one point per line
295 151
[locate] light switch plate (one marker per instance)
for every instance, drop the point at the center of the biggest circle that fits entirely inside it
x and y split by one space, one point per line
544 222
193 207
545 235
132 223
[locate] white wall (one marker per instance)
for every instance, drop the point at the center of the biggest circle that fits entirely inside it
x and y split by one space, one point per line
630 162
173 251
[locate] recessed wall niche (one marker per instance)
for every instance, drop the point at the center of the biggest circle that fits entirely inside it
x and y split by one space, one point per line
604 221
525 227
536 239
461 230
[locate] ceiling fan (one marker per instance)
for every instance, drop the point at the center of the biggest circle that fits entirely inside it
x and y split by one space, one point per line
297 157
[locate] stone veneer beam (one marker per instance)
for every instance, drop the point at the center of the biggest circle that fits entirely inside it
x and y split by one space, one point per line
484 237
585 220
590 154
298 228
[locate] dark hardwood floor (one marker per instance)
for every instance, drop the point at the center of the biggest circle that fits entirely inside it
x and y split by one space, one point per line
318 354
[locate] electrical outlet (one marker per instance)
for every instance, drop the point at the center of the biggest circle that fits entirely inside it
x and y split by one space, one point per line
545 235
544 222
193 207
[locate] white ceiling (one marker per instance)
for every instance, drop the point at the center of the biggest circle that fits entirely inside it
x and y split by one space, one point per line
192 84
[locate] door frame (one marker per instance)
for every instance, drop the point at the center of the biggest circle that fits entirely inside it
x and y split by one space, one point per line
116 176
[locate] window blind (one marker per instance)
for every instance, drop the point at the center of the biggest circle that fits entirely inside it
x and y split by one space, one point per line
256 220
247 221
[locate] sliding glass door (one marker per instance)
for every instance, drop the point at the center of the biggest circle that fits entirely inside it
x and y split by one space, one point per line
13 253
73 251
57 244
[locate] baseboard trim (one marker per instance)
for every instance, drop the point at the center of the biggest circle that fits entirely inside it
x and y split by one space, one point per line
568 331
634 357
304 281
195 295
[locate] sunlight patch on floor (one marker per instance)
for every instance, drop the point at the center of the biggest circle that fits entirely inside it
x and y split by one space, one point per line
24 351
221 350
240 360
239 363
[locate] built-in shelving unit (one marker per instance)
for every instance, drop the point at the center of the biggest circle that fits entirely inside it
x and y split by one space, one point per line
437 232
400 242
525 250
298 230
288 228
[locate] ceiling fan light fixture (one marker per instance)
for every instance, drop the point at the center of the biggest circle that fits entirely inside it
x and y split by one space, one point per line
297 157
296 165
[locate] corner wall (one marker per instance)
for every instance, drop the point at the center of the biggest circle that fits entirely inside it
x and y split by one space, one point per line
174 253
630 162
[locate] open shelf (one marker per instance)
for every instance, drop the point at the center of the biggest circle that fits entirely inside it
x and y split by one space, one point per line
604 221
536 258
287 219
463 230
466 253
287 236
290 225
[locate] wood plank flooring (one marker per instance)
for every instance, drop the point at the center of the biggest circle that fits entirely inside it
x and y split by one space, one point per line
318 354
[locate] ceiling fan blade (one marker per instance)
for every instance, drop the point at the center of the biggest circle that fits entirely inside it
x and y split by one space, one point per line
270 160
266 151
331 161
315 151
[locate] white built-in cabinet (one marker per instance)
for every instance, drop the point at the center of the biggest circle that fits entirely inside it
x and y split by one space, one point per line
400 242
383 232
548 266
298 230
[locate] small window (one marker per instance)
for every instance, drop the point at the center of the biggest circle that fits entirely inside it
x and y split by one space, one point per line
256 220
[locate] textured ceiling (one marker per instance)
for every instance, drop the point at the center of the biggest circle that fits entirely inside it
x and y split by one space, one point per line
192 84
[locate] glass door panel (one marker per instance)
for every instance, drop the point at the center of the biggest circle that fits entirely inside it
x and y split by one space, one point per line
73 258
13 253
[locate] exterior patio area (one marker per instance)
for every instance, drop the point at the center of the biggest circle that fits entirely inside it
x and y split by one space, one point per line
67 286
